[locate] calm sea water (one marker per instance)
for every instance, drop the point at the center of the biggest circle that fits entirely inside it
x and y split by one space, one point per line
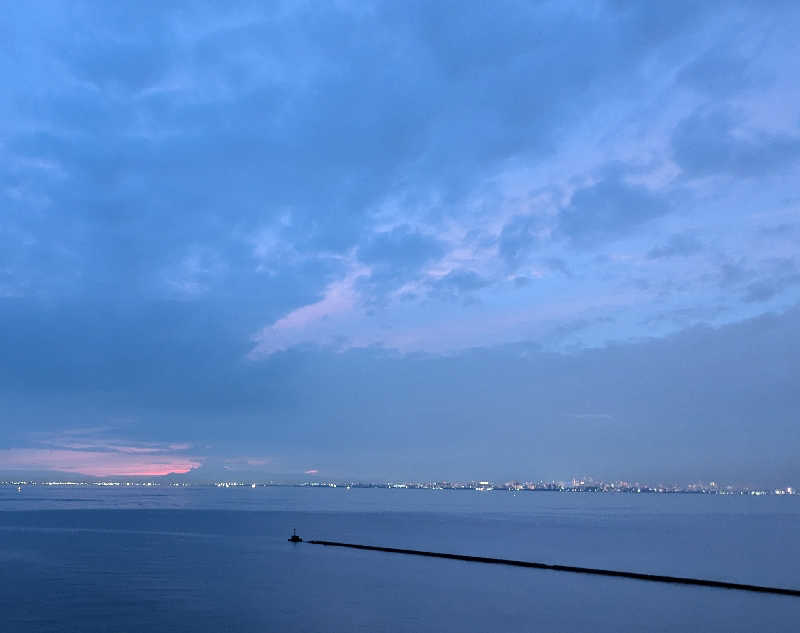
199 559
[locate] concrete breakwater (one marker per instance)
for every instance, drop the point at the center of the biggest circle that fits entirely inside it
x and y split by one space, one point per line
719 584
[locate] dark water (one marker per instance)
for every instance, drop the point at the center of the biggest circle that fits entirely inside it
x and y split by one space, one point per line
88 560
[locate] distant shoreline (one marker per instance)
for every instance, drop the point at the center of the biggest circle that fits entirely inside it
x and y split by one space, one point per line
552 487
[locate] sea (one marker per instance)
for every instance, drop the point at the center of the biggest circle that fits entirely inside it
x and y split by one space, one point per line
88 559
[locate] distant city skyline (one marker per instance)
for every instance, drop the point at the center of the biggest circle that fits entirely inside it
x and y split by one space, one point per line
588 485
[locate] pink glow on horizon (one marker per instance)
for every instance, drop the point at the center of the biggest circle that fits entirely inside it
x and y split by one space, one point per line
97 463
312 471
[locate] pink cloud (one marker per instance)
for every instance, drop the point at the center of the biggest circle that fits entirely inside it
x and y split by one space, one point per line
339 297
312 471
312 321
97 463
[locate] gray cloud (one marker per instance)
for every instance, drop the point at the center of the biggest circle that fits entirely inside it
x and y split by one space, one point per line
458 284
784 229
395 257
320 110
607 210
679 245
717 72
518 238
731 273
758 281
400 250
706 143
557 264
776 277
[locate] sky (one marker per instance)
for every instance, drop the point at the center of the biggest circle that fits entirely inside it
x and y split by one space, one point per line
416 240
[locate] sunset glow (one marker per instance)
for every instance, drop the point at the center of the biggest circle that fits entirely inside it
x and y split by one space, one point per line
97 464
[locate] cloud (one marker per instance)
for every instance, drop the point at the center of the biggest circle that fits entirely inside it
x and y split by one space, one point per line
400 250
568 327
97 452
193 275
95 464
733 272
590 416
86 452
761 280
518 238
395 258
557 264
716 141
339 300
246 464
688 316
679 245
608 210
777 277
717 72
457 284
153 106
781 230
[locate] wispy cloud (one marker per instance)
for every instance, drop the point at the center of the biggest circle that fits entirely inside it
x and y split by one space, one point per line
315 322
96 463
89 452
600 417
246 463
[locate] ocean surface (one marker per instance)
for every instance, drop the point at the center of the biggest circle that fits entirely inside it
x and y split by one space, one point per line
88 559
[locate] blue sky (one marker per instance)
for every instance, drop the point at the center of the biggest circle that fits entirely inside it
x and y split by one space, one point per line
401 239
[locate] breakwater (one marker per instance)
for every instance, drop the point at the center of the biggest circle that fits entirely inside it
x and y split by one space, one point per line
718 584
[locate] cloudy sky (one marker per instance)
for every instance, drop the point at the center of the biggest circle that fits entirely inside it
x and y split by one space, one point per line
400 239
